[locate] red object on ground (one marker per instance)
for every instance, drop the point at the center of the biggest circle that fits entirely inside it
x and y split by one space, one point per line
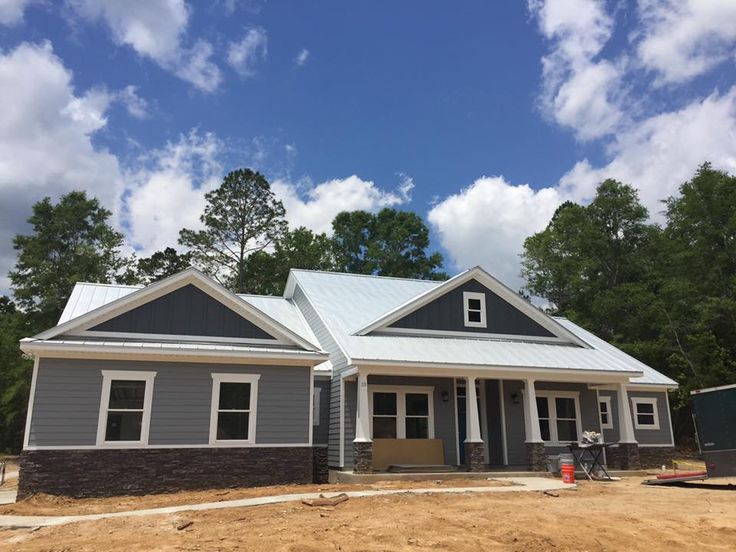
568 473
681 474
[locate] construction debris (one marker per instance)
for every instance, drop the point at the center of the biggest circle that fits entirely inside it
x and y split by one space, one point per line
550 493
323 501
184 525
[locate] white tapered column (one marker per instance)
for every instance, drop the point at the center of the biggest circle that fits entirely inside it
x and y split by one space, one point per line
625 423
472 417
531 415
362 421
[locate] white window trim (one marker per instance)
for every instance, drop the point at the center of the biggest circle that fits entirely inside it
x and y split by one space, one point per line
635 402
316 394
551 396
609 412
401 392
132 375
467 296
217 379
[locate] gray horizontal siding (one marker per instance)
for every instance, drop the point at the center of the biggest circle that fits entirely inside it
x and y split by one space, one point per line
351 397
321 430
67 400
185 311
661 436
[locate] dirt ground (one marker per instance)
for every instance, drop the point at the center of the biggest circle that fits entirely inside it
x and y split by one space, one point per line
623 515
47 505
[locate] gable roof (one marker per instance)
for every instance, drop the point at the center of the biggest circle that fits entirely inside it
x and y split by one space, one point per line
349 302
476 273
91 304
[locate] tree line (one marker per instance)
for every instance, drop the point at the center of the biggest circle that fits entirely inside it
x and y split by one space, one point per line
663 292
243 242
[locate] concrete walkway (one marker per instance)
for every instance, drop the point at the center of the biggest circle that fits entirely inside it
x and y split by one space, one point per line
8 497
519 484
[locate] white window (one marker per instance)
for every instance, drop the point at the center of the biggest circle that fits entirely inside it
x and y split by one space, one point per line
645 413
474 307
606 414
233 416
317 393
559 417
125 407
401 412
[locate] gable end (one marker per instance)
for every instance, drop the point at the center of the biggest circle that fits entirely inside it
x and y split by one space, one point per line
185 311
447 313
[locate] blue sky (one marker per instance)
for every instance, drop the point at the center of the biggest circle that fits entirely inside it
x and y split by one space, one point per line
481 116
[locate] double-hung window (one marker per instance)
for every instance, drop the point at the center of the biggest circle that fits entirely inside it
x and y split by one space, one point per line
559 417
474 309
234 401
125 407
606 414
402 412
646 415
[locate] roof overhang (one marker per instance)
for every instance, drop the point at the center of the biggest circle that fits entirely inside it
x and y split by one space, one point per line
172 352
158 289
477 273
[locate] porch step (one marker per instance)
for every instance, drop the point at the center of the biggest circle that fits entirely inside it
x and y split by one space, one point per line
421 468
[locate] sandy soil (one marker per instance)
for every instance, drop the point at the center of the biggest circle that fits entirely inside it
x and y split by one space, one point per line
47 505
599 516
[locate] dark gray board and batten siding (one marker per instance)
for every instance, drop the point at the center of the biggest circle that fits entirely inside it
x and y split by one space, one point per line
446 313
185 311
67 400
661 436
320 433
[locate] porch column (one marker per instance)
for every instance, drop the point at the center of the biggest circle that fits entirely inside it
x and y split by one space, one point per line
362 444
628 448
534 445
474 447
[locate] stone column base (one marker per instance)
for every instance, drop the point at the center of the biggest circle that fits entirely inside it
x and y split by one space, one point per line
320 472
624 456
654 457
475 457
363 457
536 457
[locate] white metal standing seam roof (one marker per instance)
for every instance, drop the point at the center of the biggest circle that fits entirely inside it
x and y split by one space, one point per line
86 297
347 302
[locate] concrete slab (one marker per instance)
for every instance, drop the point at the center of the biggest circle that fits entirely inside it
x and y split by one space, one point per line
337 476
8 497
519 484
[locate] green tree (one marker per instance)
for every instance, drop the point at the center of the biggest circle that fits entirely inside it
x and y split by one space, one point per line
158 266
266 273
388 243
15 375
241 217
71 241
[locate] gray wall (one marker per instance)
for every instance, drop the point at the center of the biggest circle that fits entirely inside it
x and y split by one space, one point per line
444 412
185 311
321 430
338 361
661 436
67 400
515 435
447 313
493 423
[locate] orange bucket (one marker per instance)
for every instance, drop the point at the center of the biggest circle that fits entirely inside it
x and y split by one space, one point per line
568 473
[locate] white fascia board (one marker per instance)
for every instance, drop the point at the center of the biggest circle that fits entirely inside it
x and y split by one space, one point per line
158 352
496 372
496 286
158 289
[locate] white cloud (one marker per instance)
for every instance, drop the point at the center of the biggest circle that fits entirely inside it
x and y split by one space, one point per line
302 57
244 55
681 39
579 91
486 224
168 194
11 11
155 29
135 105
316 206
46 144
663 151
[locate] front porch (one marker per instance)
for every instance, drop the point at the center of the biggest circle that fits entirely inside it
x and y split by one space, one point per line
479 423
